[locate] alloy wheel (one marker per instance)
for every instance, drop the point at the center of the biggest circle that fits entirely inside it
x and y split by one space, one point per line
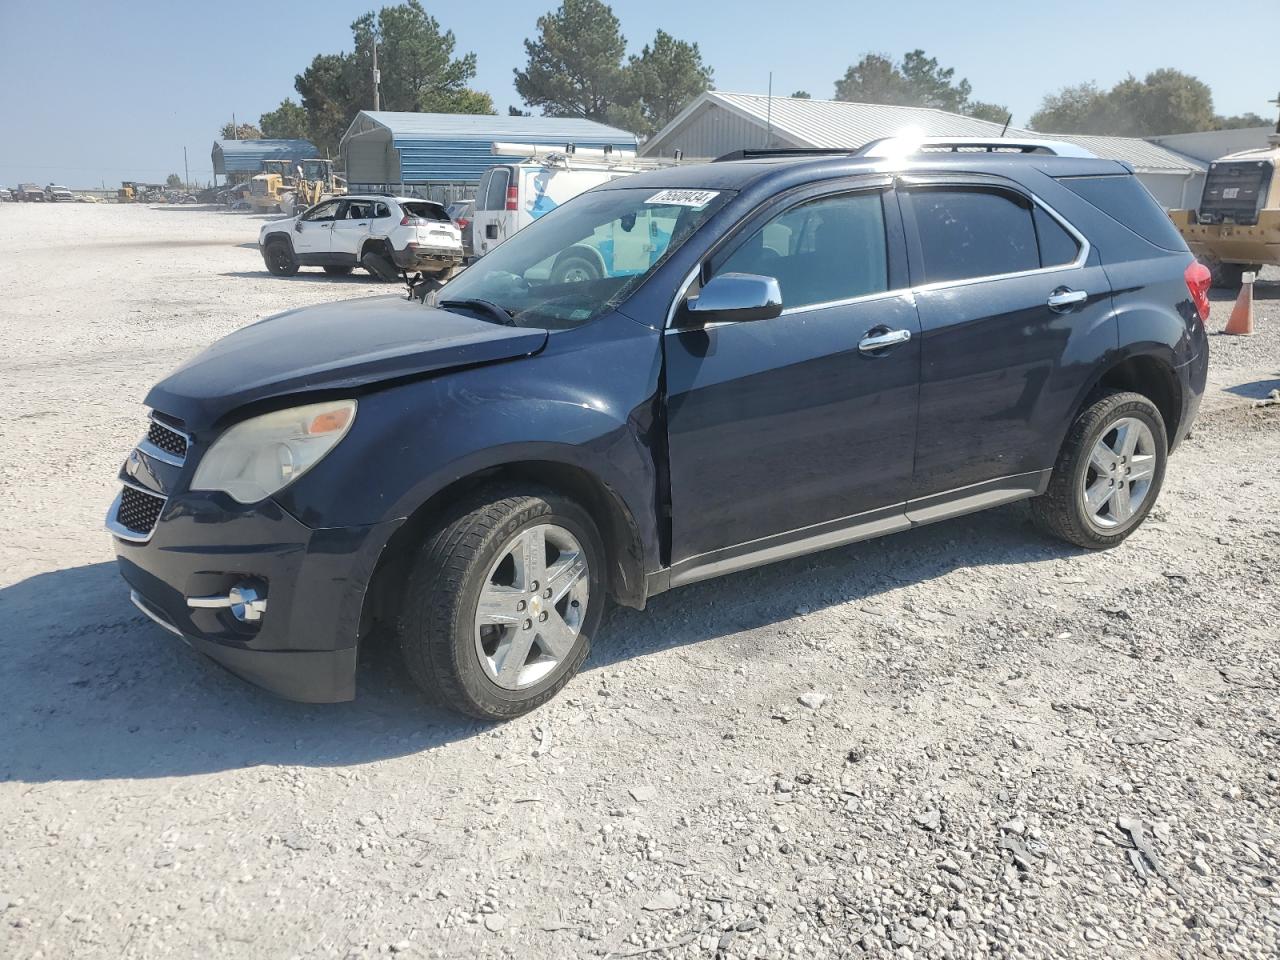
1118 478
532 606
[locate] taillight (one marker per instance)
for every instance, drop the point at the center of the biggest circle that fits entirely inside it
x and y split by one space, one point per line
1199 280
408 221
463 223
513 198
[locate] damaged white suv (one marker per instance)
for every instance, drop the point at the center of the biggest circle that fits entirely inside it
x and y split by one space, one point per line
385 235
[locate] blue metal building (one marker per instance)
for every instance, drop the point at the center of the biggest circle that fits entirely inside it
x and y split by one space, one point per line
246 156
443 154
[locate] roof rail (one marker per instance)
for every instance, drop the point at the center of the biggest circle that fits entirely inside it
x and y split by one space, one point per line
899 146
756 153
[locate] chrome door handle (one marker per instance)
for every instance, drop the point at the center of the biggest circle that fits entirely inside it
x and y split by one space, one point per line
1062 298
871 343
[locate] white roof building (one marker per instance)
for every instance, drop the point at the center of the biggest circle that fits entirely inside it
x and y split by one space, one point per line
716 123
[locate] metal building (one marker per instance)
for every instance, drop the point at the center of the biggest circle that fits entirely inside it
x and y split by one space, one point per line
245 156
443 155
716 123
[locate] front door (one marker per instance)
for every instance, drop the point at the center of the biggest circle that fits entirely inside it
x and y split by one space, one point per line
313 232
797 428
1010 295
351 228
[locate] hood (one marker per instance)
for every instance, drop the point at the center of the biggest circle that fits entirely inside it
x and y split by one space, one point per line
337 346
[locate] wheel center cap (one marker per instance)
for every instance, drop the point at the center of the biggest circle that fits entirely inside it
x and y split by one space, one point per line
535 606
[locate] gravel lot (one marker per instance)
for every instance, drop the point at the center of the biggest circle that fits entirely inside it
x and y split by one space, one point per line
961 741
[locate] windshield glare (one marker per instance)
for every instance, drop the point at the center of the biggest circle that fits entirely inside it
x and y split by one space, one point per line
586 256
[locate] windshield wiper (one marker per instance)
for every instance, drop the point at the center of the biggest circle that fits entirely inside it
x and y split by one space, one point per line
499 313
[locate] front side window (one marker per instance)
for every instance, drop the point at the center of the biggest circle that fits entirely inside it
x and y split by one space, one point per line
584 257
972 232
825 250
324 211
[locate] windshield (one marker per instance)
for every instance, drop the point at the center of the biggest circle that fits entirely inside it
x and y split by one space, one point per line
583 258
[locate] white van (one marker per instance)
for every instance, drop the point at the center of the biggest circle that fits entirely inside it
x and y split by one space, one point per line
512 196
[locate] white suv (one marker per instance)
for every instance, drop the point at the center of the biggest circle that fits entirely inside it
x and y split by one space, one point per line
383 234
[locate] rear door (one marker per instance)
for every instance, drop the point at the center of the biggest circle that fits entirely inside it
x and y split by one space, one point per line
1014 309
351 228
492 224
793 428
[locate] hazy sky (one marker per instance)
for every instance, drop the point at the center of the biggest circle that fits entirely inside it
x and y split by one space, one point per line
105 91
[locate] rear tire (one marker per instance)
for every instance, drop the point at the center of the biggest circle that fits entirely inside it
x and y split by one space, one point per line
456 654
379 265
335 271
280 258
1228 276
1103 487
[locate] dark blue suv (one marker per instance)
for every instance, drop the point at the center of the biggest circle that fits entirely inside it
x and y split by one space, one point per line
783 354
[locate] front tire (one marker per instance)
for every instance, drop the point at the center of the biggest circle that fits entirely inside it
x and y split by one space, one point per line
280 258
503 601
575 269
1108 475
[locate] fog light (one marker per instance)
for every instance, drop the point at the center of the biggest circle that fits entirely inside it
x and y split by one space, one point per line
243 600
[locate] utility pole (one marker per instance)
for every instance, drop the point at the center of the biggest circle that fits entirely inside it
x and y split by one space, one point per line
186 171
235 131
377 99
768 137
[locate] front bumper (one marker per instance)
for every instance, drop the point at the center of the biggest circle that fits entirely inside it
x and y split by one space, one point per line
304 646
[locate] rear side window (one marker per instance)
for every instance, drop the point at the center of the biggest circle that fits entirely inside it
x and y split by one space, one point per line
1057 247
494 194
821 251
1124 199
967 233
422 210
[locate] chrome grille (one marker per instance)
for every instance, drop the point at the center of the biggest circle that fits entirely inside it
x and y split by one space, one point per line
167 439
138 511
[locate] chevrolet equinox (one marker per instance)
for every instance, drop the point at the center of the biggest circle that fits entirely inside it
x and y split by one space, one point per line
772 354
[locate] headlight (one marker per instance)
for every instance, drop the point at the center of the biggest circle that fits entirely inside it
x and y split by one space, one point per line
254 459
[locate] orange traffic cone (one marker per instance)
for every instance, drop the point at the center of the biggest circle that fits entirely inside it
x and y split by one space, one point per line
1242 313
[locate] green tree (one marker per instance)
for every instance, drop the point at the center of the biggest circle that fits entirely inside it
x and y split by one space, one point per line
1164 101
242 131
1240 120
286 122
575 64
802 95
995 112
917 80
325 90
418 69
659 82
173 181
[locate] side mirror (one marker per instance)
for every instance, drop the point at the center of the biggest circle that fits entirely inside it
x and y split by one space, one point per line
736 297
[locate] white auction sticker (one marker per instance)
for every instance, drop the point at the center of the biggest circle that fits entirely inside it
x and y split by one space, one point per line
685 198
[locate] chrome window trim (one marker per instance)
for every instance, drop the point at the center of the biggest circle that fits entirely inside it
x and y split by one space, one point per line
1082 257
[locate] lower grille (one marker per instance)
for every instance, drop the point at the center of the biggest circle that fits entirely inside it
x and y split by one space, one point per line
139 511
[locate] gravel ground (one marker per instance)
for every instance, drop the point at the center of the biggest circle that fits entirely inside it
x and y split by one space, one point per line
961 741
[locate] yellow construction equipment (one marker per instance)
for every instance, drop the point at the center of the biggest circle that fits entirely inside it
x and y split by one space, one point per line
1236 228
313 181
